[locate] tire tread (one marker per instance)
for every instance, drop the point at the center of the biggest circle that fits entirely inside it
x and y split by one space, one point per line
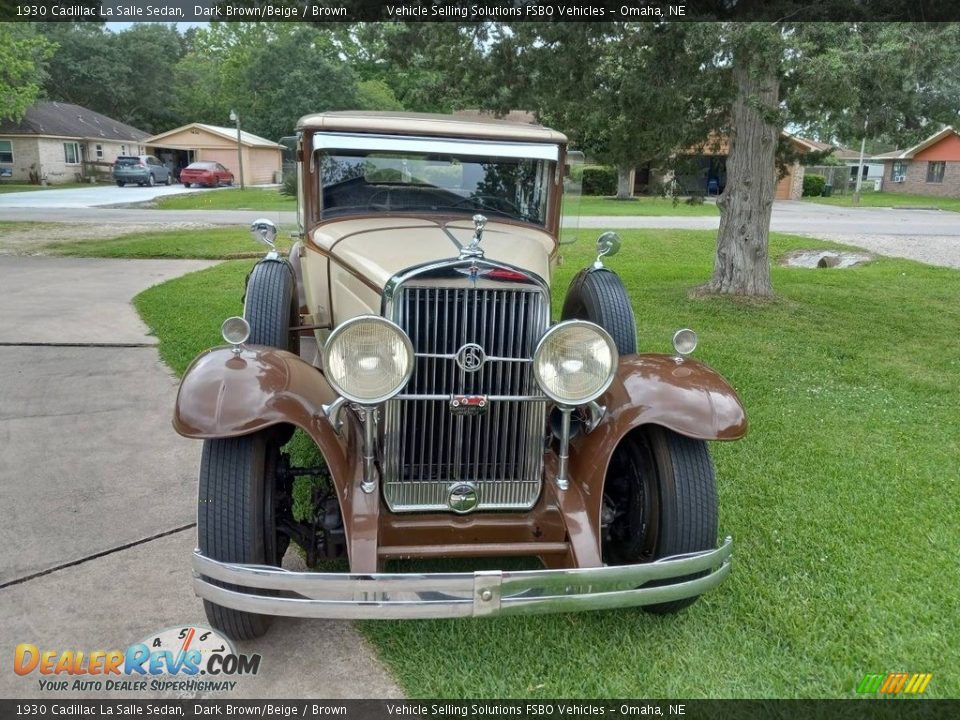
228 522
599 296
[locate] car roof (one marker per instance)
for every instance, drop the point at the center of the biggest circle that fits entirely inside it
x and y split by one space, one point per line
428 125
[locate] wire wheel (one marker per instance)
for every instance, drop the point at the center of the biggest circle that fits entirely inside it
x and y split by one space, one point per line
659 500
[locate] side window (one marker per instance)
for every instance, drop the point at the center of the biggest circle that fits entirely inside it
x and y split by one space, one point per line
71 153
6 151
99 152
935 171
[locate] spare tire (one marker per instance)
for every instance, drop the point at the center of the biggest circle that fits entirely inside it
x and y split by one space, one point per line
271 307
598 295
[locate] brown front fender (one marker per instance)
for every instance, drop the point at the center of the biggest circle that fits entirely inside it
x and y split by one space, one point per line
687 397
224 394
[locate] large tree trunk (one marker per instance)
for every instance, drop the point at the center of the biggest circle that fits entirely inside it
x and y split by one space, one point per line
742 264
625 177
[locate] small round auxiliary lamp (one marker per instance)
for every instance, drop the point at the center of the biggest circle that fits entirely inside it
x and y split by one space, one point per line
235 331
684 342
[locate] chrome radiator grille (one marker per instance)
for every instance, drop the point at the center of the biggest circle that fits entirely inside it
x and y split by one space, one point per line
428 450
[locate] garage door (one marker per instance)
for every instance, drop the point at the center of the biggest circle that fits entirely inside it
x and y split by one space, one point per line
227 158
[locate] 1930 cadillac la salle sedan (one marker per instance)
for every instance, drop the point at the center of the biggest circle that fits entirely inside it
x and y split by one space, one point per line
454 417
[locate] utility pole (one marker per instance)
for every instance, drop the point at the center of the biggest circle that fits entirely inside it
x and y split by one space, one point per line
236 118
863 144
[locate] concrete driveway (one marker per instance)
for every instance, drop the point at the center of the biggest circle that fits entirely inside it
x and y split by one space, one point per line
99 494
91 196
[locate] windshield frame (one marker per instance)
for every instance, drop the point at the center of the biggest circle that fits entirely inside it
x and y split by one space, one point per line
469 152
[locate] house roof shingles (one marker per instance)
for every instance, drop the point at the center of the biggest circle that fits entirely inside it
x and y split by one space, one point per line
58 119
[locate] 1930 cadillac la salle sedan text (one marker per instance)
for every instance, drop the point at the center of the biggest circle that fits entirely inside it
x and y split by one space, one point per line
454 417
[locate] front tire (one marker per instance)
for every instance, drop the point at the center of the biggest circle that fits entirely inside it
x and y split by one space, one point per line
659 500
270 306
236 519
120 183
151 181
599 297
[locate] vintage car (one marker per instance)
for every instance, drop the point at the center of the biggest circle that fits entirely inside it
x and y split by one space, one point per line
409 333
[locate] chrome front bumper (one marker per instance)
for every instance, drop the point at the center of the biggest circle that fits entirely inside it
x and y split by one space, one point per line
383 596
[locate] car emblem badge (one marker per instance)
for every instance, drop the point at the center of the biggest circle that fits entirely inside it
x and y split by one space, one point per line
471 357
463 498
474 272
468 404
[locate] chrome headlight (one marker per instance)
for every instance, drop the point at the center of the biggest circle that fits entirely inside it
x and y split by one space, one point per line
574 362
368 359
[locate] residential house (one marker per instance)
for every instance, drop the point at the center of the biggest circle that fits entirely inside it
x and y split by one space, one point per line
871 170
58 142
262 158
704 171
931 167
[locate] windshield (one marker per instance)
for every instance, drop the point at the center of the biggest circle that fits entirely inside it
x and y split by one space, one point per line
357 182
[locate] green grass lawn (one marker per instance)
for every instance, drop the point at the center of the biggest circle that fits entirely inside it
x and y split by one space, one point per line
843 499
229 199
884 199
212 243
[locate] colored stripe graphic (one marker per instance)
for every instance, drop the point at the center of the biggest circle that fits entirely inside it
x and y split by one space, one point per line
895 683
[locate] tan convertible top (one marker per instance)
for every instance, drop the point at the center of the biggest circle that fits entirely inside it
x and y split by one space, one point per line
429 125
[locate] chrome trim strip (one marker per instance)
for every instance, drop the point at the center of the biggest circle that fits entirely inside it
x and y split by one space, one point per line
409 143
383 596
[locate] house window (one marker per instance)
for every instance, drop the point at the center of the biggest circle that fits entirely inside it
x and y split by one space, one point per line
123 149
6 151
899 171
71 153
99 152
935 171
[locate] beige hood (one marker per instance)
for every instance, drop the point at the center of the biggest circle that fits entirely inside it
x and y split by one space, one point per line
379 248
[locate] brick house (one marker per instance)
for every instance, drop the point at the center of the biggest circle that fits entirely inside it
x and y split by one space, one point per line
58 143
930 168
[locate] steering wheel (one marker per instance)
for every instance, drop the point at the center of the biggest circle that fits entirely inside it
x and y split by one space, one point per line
373 205
479 202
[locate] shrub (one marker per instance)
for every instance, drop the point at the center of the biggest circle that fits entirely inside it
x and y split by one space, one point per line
813 185
289 186
599 180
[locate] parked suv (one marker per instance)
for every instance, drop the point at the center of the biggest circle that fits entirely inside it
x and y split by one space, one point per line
140 169
456 414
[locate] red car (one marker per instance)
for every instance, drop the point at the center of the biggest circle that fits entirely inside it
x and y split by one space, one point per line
210 174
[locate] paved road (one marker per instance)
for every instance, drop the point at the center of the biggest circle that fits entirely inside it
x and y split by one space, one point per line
788 216
813 219
91 196
89 464
928 236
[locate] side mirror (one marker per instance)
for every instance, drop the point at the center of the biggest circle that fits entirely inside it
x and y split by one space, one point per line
264 231
608 244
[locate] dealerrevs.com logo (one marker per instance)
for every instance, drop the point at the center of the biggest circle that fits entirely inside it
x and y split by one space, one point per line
181 659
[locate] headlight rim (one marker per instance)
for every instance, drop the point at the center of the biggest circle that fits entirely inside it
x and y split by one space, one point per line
346 325
614 361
